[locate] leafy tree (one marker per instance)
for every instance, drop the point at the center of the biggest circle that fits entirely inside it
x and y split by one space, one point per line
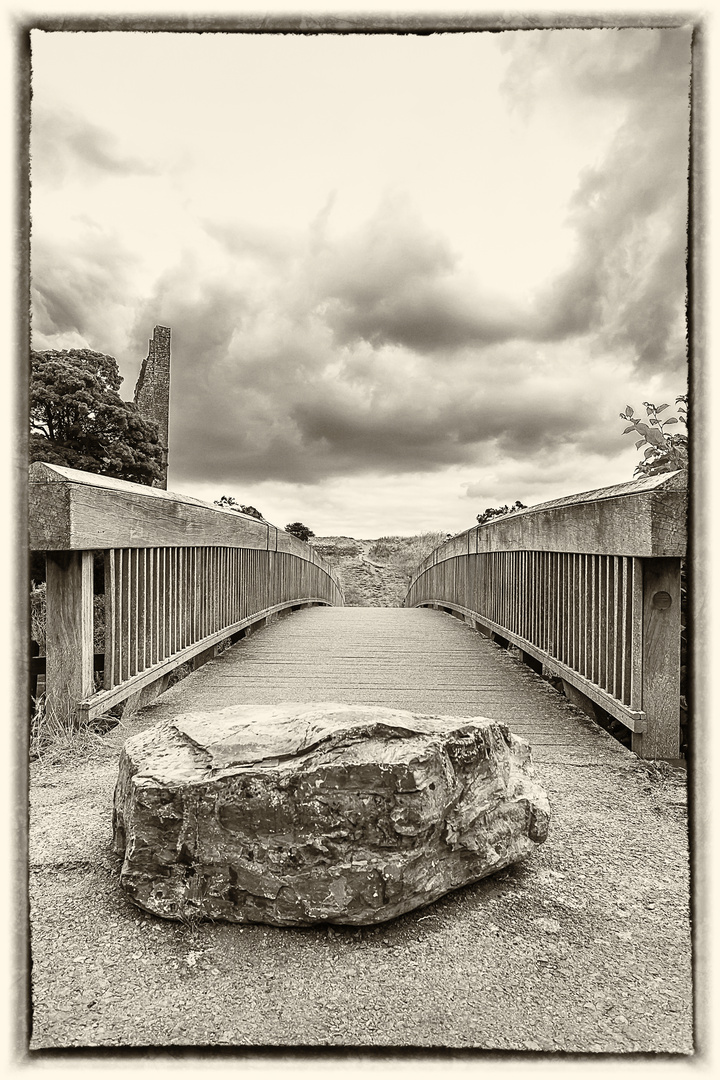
232 504
298 529
78 419
664 451
494 512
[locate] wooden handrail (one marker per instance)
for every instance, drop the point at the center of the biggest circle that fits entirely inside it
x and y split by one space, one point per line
181 575
589 586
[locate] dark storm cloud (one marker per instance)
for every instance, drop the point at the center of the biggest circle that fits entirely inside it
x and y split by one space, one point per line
627 282
77 288
63 141
397 283
263 391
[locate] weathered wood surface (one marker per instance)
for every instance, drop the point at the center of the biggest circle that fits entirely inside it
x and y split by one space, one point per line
70 509
661 660
405 658
643 518
69 636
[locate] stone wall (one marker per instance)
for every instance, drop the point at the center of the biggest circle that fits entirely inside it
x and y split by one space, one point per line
152 391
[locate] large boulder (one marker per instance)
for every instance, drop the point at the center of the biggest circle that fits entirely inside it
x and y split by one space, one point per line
295 814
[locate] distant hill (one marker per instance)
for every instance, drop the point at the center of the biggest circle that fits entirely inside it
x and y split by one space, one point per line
375 573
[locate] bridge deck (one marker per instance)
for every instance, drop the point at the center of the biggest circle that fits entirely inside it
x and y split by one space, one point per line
406 658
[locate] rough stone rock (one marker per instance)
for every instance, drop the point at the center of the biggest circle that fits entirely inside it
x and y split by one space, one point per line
296 814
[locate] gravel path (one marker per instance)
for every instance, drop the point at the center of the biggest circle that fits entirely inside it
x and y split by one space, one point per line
585 947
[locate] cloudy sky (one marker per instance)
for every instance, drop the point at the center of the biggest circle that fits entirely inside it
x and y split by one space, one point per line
407 277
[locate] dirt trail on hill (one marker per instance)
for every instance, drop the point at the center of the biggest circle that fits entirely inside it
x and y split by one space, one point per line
374 573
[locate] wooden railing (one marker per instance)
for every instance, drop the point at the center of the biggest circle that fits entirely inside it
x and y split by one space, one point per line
590 587
180 576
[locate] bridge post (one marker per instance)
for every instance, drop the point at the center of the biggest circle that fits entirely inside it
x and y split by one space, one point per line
661 660
69 642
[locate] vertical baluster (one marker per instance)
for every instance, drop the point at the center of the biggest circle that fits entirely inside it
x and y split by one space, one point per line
151 607
530 595
542 641
491 584
562 591
142 601
194 613
627 630
542 599
174 600
636 640
502 595
537 597
571 609
195 557
486 583
549 596
191 595
227 588
118 648
573 584
496 587
520 606
558 594
527 564
203 556
109 669
617 627
125 622
593 626
583 614
568 608
605 581
164 604
132 613
184 597
514 578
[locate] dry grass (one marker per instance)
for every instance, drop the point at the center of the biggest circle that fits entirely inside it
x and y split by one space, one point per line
411 552
54 738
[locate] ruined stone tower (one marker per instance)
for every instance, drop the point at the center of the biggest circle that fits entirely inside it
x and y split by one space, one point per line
152 390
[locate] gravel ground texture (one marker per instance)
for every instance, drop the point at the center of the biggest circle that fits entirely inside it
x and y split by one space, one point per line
583 948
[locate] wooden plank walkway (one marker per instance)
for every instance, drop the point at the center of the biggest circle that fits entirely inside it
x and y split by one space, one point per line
405 658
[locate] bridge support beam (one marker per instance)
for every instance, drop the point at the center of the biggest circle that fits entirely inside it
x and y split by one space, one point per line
69 642
661 660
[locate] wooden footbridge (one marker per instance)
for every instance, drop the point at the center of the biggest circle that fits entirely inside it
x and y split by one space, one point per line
585 588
